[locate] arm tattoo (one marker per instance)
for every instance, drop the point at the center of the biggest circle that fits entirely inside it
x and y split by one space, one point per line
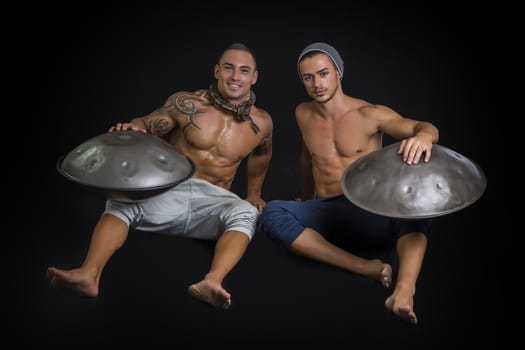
186 104
263 147
157 126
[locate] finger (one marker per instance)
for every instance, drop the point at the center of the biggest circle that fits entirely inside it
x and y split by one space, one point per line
138 129
406 154
409 154
427 155
402 146
415 153
417 156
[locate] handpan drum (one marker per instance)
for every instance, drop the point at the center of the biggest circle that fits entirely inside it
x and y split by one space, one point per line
126 165
382 183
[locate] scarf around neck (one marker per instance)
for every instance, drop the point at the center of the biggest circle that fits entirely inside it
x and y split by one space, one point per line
241 111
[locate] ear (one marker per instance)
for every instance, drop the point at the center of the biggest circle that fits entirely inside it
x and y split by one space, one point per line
255 76
216 71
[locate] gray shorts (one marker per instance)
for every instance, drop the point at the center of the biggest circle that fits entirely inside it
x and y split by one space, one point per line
194 208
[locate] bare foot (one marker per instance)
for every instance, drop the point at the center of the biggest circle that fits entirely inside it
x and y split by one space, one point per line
212 293
76 281
401 303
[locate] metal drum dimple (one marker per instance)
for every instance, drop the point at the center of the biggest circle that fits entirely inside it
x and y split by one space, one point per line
126 165
382 183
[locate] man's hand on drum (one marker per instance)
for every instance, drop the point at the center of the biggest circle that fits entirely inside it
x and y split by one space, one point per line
126 126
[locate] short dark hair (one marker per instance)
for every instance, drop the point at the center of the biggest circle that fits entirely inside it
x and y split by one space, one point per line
240 47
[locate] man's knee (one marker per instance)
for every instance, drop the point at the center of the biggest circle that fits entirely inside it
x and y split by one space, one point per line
272 210
243 218
278 222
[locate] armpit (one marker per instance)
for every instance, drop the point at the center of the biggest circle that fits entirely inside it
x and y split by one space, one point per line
264 147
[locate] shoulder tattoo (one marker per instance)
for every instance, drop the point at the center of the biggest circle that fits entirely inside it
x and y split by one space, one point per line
264 147
188 105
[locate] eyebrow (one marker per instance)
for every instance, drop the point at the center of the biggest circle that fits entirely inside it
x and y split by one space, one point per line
323 70
233 65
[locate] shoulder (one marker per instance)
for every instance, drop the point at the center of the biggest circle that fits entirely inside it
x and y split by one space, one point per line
377 112
263 119
198 94
303 109
186 102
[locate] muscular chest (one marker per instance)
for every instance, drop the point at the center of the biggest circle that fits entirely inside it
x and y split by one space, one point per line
218 134
340 138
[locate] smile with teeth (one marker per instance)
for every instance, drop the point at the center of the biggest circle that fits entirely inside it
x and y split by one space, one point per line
234 86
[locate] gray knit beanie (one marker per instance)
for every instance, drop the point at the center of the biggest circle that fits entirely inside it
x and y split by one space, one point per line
327 49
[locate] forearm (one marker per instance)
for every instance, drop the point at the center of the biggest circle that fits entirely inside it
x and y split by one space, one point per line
428 129
257 169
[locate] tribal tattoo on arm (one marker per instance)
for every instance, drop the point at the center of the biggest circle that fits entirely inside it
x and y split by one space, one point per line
157 123
187 104
264 147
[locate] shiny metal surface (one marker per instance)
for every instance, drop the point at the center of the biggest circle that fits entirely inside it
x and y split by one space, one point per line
382 183
126 165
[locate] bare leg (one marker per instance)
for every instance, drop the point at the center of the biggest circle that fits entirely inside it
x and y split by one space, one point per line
109 235
313 245
411 250
229 250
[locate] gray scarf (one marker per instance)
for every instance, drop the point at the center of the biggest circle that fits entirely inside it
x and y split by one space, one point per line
241 111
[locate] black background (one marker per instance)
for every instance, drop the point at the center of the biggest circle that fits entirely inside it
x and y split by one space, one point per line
87 68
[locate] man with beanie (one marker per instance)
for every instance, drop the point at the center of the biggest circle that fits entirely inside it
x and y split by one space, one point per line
338 129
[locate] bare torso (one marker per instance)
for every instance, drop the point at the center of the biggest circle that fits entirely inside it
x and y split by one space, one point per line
212 138
335 142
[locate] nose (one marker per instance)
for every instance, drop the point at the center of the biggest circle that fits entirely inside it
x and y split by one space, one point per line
317 80
236 74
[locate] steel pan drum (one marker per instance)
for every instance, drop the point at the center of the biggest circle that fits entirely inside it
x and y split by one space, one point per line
126 165
382 183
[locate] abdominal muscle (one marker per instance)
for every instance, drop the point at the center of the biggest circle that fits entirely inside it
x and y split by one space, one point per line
328 173
328 181
213 168
216 158
328 170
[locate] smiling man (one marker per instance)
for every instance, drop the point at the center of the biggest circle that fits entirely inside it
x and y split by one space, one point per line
216 128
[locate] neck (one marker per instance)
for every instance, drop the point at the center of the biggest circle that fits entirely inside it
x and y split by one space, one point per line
240 111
